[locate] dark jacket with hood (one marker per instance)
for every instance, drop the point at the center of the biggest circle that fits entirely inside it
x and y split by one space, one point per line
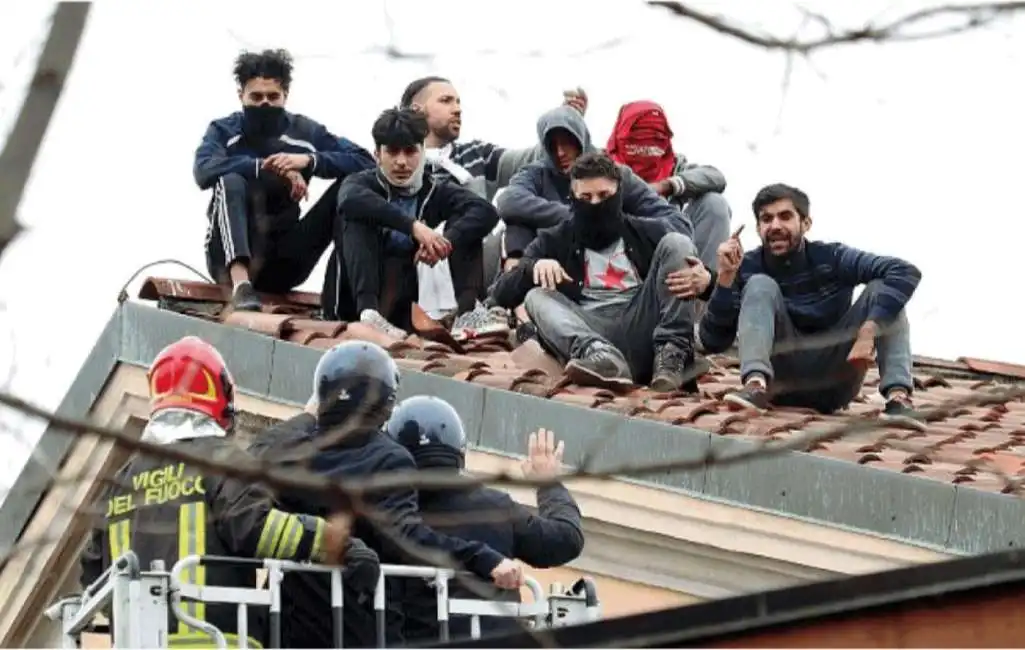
366 196
227 148
538 195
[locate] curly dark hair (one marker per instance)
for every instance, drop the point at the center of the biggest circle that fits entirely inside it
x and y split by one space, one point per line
595 164
268 64
400 128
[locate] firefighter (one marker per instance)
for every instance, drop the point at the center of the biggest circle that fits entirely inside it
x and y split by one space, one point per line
355 388
166 510
433 433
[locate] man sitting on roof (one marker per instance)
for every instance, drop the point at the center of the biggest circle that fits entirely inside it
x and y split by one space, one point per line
596 285
482 167
388 219
801 341
642 140
259 162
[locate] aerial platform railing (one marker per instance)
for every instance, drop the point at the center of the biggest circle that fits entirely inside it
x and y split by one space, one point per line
138 602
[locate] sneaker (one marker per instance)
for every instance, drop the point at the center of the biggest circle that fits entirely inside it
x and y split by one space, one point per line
374 319
525 332
479 322
752 398
603 366
901 409
676 368
245 298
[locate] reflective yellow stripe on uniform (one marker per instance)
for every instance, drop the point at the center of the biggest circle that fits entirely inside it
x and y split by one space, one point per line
280 536
192 541
120 538
318 541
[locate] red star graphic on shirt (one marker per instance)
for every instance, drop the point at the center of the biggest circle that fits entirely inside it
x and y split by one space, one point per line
612 278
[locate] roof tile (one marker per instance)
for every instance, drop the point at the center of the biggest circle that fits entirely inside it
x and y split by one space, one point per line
955 448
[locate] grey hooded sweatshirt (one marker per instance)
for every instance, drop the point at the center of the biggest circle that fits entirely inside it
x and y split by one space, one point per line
538 195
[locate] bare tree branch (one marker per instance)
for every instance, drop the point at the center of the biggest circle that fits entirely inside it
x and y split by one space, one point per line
921 24
23 143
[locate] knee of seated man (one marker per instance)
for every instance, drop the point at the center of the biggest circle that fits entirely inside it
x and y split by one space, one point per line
536 298
873 288
676 244
762 285
234 183
715 203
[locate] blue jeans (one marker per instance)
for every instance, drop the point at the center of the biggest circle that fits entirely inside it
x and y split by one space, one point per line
811 370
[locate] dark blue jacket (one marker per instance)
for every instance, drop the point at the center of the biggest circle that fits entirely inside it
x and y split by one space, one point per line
552 537
818 285
226 150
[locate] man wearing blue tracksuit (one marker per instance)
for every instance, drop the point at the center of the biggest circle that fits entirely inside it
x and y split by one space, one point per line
259 162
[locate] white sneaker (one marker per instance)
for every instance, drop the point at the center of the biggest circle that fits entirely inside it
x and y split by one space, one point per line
481 321
377 321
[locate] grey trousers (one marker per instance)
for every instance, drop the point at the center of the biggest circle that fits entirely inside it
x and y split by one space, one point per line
710 216
636 327
812 370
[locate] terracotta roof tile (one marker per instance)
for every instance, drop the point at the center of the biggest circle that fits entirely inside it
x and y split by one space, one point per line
954 449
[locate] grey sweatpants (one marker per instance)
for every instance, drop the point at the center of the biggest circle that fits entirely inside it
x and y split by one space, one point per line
710 216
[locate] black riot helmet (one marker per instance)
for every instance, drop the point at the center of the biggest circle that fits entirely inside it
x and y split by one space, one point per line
355 383
431 430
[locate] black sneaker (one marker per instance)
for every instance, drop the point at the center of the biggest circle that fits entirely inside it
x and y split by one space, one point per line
603 366
901 410
245 298
676 368
752 398
525 332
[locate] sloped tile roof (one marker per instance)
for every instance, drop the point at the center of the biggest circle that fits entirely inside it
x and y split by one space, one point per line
957 443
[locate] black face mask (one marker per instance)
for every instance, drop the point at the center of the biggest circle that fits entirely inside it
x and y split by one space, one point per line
598 225
263 121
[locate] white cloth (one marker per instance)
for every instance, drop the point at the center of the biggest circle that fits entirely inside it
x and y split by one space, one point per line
437 293
442 158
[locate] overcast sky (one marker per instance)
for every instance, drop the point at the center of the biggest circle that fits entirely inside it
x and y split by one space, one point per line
912 149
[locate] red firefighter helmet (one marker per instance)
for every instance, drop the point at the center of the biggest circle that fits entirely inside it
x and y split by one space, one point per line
191 374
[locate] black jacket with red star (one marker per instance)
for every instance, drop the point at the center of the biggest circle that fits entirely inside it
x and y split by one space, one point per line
560 243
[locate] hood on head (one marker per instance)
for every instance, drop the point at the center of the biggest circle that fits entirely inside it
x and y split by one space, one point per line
569 119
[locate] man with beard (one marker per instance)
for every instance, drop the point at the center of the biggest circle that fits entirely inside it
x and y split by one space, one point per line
483 167
259 162
642 140
388 219
801 341
597 282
